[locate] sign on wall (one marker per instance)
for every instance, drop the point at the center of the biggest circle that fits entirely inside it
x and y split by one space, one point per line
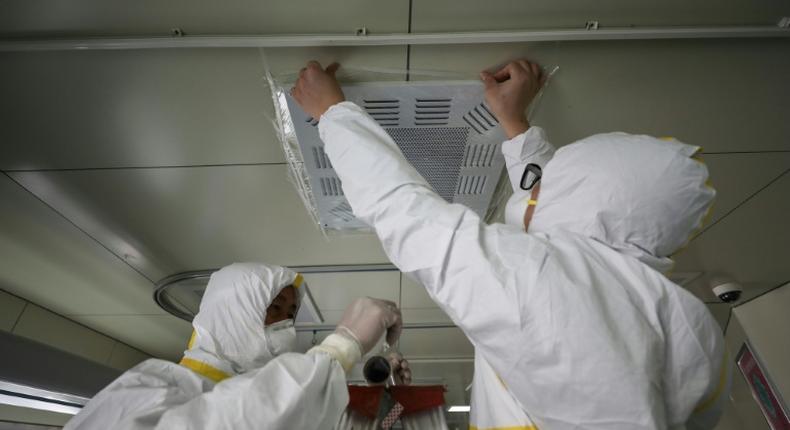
762 390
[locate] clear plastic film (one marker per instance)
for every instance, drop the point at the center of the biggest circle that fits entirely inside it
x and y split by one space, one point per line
445 140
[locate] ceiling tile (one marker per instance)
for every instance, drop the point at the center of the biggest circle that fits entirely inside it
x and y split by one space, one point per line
469 15
425 315
48 261
124 357
738 176
335 291
49 328
749 245
414 294
10 309
162 336
150 17
423 343
694 90
166 221
135 108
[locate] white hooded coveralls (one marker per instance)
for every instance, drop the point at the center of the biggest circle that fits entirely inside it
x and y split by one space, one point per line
240 385
574 317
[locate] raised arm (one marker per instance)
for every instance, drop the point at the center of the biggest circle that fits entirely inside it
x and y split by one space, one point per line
446 247
509 91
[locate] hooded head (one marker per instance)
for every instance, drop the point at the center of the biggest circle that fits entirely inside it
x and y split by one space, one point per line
640 195
230 336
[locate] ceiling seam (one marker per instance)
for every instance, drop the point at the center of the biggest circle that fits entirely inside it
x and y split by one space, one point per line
746 200
64 316
182 166
79 228
408 47
784 283
112 350
727 324
19 317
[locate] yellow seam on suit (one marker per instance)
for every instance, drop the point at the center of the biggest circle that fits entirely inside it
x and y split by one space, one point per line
708 212
192 339
204 369
298 281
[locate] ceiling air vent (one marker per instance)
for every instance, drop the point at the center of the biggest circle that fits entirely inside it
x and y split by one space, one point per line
385 111
443 129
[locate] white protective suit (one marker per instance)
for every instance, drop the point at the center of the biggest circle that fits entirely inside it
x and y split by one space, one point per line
574 325
228 378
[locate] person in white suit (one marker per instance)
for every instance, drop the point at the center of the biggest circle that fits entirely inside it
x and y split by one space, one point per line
238 371
573 321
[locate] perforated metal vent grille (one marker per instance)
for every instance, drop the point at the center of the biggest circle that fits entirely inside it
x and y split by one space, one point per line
331 187
470 185
480 155
480 119
443 129
385 111
432 111
440 162
320 158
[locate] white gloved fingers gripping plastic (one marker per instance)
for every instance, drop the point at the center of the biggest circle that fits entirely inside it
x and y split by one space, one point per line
280 84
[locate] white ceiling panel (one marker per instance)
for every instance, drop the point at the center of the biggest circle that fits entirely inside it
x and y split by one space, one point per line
335 291
467 15
137 108
48 261
435 342
72 18
736 177
414 294
166 221
425 315
724 95
417 306
750 244
162 336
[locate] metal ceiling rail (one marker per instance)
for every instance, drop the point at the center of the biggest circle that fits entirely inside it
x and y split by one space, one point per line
315 40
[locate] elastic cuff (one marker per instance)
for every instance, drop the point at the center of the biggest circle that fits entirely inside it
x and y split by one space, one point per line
346 351
534 134
338 108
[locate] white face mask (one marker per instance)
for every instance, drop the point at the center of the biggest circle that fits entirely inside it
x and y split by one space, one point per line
281 337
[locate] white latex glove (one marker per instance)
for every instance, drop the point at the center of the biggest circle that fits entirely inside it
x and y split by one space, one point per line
362 325
400 368
367 319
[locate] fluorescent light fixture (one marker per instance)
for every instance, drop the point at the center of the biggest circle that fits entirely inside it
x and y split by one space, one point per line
38 404
37 398
459 408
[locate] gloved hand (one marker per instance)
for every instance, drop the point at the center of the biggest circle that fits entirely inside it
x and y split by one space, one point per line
362 325
367 319
317 90
400 368
510 90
